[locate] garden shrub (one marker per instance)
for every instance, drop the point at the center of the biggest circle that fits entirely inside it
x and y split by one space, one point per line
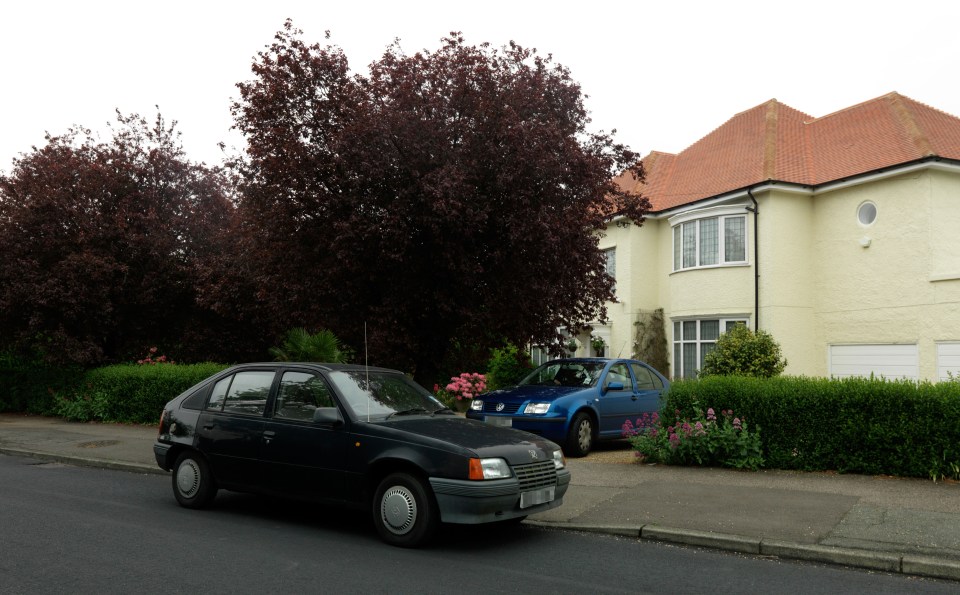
742 352
300 345
30 387
461 389
507 366
707 439
130 393
852 425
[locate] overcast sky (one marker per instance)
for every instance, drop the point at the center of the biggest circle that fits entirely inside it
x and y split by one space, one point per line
664 74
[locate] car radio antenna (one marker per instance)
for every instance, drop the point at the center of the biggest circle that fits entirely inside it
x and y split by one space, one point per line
366 367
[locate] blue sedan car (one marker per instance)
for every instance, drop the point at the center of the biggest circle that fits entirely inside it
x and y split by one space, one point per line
575 402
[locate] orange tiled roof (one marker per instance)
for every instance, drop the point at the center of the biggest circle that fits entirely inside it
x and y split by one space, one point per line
774 142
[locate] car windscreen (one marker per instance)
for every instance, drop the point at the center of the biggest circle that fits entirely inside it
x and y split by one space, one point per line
565 374
378 395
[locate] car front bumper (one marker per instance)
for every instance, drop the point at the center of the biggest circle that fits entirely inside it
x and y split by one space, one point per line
473 502
553 428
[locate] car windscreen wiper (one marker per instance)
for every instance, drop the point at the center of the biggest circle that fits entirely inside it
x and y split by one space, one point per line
410 411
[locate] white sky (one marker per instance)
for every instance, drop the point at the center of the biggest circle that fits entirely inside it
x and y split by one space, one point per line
664 74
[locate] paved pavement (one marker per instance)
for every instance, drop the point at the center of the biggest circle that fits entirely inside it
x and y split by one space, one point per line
909 526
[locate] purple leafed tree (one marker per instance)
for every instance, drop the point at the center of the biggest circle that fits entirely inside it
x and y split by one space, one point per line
101 242
445 197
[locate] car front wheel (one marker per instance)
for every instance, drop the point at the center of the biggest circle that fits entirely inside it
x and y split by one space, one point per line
403 511
580 436
193 484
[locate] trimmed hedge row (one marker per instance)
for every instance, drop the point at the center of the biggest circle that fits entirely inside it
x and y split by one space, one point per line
130 393
32 388
855 425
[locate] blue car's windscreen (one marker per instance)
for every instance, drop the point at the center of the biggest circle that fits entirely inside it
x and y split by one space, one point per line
565 374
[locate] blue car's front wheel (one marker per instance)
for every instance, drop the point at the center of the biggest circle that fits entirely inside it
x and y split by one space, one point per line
579 436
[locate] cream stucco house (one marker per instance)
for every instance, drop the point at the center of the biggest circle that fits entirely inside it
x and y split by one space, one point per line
839 235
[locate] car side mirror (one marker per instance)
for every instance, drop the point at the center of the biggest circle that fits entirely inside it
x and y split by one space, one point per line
328 416
613 386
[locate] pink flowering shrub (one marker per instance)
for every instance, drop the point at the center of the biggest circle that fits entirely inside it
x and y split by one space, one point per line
706 440
467 385
152 358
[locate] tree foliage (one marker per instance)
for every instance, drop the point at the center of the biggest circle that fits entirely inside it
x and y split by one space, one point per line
448 194
741 352
101 241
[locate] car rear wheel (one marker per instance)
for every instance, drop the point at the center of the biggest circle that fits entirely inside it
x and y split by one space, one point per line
193 484
403 511
580 436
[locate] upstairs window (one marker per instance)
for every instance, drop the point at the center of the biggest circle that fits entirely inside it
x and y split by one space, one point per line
611 265
710 242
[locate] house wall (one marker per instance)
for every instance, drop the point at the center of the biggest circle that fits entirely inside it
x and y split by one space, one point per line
638 274
899 289
819 285
787 273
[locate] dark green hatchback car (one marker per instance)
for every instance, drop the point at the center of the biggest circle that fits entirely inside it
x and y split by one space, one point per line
361 437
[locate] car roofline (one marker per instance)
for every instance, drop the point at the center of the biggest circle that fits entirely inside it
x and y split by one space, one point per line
326 366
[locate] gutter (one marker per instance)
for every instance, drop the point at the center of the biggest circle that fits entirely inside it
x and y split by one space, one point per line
755 209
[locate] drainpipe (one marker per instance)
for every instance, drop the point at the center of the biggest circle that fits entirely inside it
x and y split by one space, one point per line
755 209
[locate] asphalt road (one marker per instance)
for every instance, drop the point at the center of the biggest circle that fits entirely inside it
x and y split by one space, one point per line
68 529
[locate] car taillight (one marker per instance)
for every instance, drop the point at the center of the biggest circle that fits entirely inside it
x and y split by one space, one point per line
163 422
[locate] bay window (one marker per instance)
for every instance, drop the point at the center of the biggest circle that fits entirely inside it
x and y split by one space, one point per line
709 242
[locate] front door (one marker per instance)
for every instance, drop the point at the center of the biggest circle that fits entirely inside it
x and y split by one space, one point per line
302 456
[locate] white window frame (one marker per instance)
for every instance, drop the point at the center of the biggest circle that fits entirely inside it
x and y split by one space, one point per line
698 342
694 221
541 354
610 266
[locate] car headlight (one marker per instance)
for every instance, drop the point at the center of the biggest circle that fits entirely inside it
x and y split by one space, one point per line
489 469
536 408
476 405
559 461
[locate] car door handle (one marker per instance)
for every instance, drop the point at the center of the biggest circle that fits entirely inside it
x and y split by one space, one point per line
207 426
268 436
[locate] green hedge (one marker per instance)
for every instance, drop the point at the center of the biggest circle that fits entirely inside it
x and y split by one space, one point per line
130 393
854 425
31 387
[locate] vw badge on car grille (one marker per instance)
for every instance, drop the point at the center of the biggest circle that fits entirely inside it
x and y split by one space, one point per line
500 406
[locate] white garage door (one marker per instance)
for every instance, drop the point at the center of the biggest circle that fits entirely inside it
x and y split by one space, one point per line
883 361
948 360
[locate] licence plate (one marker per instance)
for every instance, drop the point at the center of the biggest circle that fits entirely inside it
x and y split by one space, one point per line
532 498
505 422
